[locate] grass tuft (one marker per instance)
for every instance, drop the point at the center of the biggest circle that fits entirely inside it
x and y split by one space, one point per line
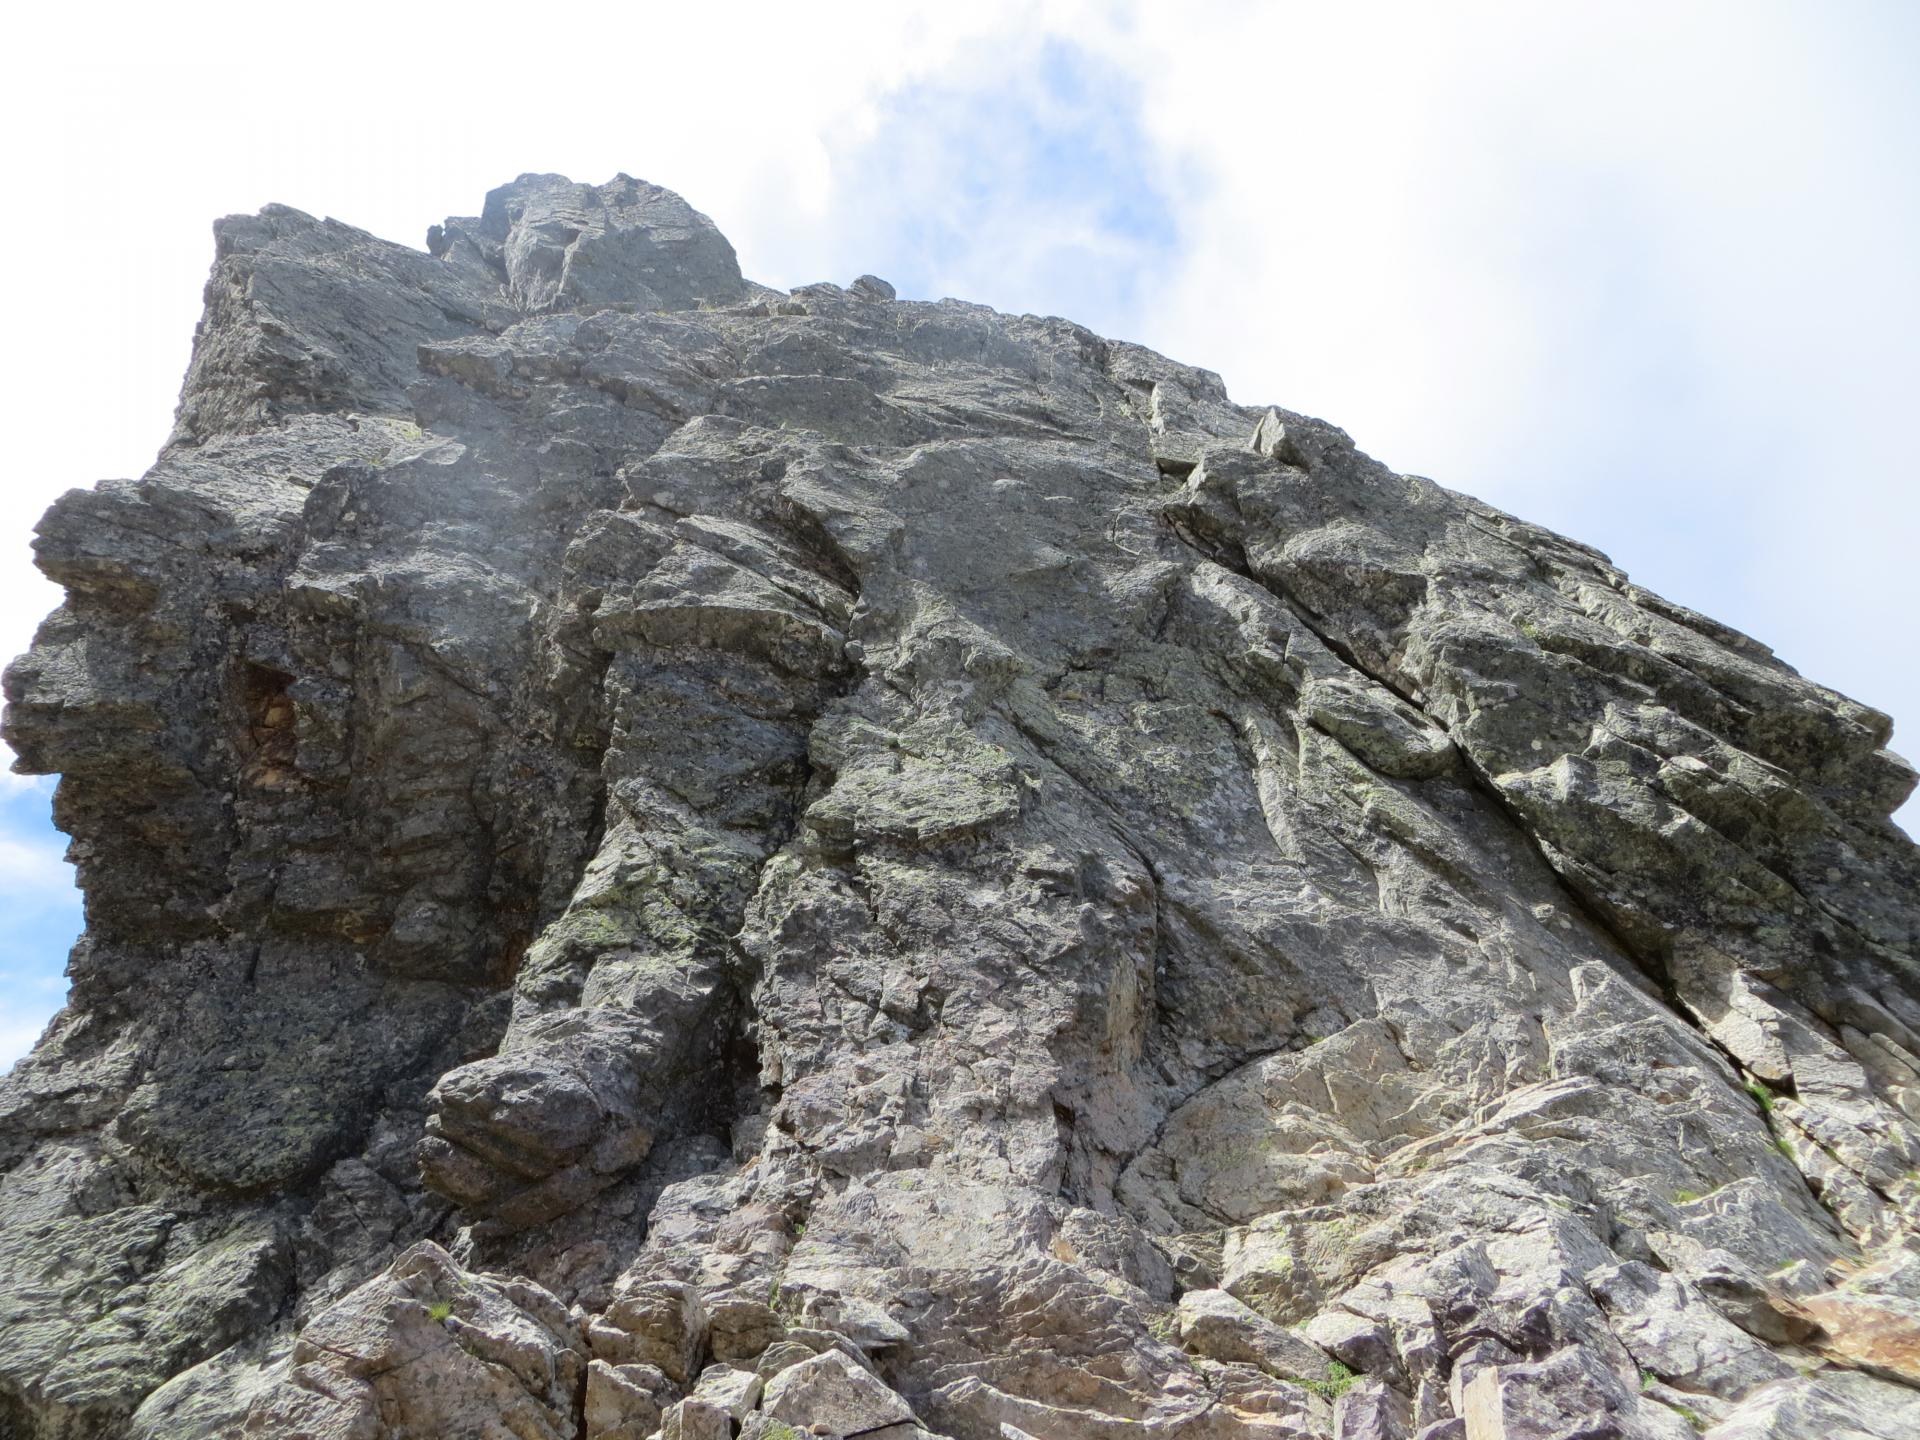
1340 1379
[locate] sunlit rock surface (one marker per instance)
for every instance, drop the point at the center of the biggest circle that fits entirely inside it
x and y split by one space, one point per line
667 857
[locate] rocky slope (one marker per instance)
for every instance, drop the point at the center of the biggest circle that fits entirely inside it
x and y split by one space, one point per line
665 856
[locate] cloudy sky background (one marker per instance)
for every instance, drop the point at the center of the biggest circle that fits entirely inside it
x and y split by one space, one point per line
1642 272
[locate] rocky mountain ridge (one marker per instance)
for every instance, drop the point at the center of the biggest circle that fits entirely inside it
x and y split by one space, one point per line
664 856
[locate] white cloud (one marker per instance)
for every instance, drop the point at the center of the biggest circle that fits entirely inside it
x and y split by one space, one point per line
1642 272
13 786
33 871
17 1037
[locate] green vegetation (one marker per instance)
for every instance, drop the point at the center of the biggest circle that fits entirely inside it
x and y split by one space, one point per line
439 1311
787 1307
1780 1144
1648 1380
1683 1197
1339 1380
1762 1096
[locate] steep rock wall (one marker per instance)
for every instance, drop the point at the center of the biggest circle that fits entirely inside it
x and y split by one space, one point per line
665 855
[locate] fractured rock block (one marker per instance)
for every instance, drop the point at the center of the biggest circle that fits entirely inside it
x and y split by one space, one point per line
833 1391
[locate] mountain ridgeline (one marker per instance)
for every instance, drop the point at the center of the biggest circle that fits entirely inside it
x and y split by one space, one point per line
669 857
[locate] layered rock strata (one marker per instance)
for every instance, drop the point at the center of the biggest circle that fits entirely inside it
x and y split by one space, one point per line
670 858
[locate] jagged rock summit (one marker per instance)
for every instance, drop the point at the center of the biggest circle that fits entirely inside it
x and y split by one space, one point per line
667 857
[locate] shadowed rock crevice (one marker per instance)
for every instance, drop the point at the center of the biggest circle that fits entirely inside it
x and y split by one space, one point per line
669 858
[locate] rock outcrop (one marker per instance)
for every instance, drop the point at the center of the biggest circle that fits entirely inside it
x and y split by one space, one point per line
670 858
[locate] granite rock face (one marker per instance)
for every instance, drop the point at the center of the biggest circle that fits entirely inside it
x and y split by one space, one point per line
667 857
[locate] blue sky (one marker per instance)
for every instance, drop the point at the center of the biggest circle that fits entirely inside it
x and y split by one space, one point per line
42 910
1637 271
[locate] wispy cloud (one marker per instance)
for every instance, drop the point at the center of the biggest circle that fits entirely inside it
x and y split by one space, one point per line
12 784
17 1037
33 872
1013 178
1639 272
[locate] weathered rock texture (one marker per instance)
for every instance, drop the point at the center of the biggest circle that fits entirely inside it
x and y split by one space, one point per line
668 857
